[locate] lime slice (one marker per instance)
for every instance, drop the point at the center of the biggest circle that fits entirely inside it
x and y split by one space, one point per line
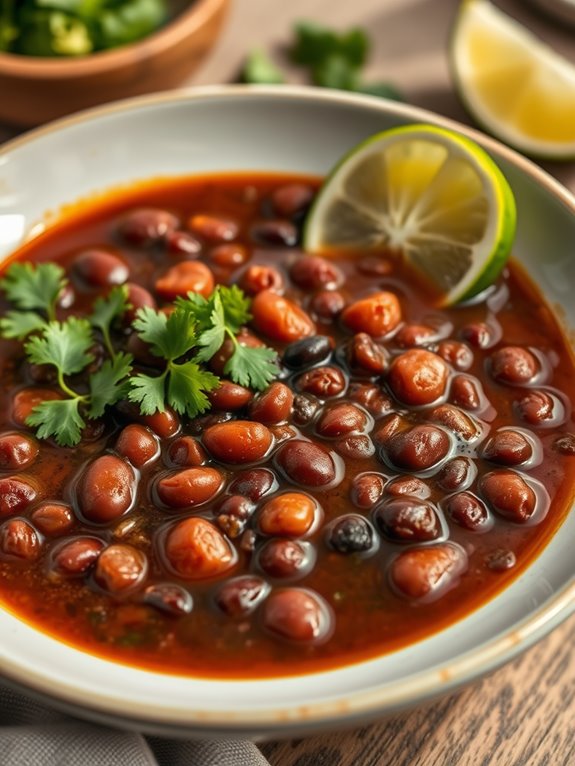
427 192
512 83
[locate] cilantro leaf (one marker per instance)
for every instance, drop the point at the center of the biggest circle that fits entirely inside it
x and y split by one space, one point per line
315 43
59 418
187 386
335 71
64 345
19 324
148 392
34 287
169 337
252 367
109 384
198 308
106 310
212 339
236 307
259 69
151 327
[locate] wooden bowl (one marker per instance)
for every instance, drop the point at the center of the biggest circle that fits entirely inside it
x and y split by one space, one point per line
36 90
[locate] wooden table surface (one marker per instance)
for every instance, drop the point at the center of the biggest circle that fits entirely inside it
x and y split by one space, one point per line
524 714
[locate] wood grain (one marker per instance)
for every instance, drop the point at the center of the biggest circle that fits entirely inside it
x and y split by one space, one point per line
524 714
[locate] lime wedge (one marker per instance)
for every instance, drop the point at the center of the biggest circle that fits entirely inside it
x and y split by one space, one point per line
514 85
427 192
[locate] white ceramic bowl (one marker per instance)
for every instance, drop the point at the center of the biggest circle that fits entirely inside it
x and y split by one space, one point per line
285 129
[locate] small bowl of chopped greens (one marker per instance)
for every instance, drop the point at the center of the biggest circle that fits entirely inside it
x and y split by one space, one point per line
60 56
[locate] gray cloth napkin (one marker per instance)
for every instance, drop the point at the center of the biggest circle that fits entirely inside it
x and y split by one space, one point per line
32 734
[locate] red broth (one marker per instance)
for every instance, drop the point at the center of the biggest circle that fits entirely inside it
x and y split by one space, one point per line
405 467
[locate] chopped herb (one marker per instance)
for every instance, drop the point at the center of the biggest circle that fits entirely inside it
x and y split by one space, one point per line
36 288
106 311
259 69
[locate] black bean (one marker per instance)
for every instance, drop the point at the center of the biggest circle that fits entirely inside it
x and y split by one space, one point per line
307 352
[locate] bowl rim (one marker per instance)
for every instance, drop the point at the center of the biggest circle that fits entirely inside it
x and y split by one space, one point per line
174 32
348 707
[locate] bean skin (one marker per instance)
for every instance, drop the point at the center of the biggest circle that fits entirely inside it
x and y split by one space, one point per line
513 365
351 533
169 598
291 514
306 463
323 382
340 420
19 539
229 397
457 354
242 595
457 474
425 574
183 244
408 485
412 335
273 405
365 357
377 315
372 397
233 515
279 318
254 484
213 228
509 494
183 278
146 227
292 199
565 445
311 272
326 305
418 377
298 615
278 233
304 409
17 451
229 256
407 520
16 494
120 568
355 446
107 489
97 268
138 445
187 452
456 421
537 408
465 392
196 550
500 560
469 512
27 399
53 518
77 556
418 448
367 489
190 487
307 352
257 278
238 441
508 447
138 297
285 559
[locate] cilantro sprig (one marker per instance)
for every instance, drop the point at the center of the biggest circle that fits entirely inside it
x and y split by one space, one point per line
34 292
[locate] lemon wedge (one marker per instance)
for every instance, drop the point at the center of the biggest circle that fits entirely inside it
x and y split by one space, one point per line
513 84
429 193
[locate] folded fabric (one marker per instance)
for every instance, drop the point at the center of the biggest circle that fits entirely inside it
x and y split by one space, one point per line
32 734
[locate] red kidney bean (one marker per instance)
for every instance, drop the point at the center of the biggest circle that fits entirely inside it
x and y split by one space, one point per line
367 489
298 615
304 409
233 515
213 228
164 424
238 441
468 511
53 518
18 538
257 278
196 550
169 598
248 541
291 199
97 268
279 318
229 256
509 494
537 407
458 355
183 278
16 494
307 352
480 334
408 485
311 272
326 305
273 405
513 365
465 392
565 444
283 432
138 298
254 483
190 487
425 574
418 448
182 243
455 420
411 335
364 356
350 533
137 444
77 555
229 397
291 514
285 559
407 520
355 447
375 266
376 315
27 399
459 473
107 489
372 397
508 447
147 226
500 560
278 233
323 382
120 568
16 451
418 377
306 463
340 420
241 596
221 357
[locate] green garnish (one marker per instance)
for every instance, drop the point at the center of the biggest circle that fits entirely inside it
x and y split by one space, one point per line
259 69
31 287
105 311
